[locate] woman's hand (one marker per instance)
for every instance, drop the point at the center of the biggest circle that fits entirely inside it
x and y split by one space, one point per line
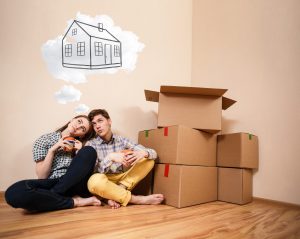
43 167
78 145
59 145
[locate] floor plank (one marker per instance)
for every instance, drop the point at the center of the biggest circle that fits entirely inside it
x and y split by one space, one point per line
259 219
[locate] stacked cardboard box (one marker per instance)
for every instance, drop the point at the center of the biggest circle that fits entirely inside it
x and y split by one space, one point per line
188 117
194 165
237 155
186 172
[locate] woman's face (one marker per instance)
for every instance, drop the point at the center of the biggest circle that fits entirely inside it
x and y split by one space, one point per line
78 127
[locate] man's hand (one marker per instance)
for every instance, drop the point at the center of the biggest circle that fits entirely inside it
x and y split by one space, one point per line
117 157
133 157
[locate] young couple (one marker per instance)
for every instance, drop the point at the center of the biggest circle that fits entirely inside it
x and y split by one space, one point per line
68 179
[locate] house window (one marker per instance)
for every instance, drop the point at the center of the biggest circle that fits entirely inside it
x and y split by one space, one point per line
117 51
98 49
74 31
80 48
68 50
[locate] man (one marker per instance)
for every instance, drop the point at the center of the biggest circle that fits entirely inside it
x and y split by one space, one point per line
121 164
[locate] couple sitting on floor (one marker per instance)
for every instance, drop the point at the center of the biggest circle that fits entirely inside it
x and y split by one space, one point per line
106 166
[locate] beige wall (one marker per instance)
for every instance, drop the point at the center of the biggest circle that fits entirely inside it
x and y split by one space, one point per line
252 48
28 107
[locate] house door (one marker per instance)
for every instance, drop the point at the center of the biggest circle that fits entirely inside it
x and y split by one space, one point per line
108 54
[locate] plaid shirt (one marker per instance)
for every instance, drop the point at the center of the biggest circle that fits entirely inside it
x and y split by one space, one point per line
61 160
116 144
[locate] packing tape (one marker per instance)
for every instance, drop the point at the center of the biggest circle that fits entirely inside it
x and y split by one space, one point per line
250 136
166 131
146 133
167 168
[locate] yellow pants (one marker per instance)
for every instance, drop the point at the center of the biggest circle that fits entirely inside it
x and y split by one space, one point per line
106 185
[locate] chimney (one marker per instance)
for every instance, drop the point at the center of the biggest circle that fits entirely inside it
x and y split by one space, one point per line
100 27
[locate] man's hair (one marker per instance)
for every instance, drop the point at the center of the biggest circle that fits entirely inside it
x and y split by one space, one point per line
96 112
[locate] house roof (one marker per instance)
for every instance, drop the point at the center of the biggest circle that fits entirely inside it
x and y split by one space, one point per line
94 31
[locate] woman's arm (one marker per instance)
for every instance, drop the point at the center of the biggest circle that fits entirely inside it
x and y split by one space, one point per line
43 167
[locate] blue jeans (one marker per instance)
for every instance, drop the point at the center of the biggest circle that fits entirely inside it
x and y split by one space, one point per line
55 194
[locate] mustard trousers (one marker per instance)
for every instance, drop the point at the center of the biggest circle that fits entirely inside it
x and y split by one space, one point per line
106 185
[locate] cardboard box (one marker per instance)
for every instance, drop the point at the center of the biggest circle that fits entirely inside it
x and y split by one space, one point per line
184 186
235 185
239 150
195 107
181 145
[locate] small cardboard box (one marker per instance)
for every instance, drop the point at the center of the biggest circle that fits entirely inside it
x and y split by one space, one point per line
238 150
235 185
184 186
195 107
181 145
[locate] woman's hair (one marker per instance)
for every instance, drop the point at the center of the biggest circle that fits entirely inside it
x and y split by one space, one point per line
88 135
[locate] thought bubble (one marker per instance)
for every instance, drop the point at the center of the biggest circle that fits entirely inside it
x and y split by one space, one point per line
82 108
54 49
67 94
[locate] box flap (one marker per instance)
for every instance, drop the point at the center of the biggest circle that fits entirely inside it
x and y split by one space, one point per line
226 102
151 95
192 90
154 95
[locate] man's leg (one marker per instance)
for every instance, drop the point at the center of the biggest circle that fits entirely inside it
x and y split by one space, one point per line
80 169
136 173
99 184
106 185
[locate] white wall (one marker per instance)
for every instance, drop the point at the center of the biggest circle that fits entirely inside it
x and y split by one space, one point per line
252 48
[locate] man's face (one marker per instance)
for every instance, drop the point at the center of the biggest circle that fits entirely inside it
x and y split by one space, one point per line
102 127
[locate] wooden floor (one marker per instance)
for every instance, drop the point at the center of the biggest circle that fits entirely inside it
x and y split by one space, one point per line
259 219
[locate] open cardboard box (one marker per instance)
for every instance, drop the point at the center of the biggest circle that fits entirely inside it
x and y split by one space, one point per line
195 107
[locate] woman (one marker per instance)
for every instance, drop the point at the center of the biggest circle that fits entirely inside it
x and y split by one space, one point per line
62 176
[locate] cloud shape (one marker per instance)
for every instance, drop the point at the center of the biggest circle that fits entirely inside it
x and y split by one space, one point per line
52 53
82 108
67 94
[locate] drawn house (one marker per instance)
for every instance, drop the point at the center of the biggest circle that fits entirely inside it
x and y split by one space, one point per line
90 47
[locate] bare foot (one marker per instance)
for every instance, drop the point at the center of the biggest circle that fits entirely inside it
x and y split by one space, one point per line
152 199
113 204
82 202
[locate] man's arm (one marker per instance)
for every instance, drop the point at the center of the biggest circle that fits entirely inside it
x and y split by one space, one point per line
139 152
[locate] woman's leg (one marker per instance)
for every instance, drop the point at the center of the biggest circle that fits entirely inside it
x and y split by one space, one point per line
74 182
35 195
